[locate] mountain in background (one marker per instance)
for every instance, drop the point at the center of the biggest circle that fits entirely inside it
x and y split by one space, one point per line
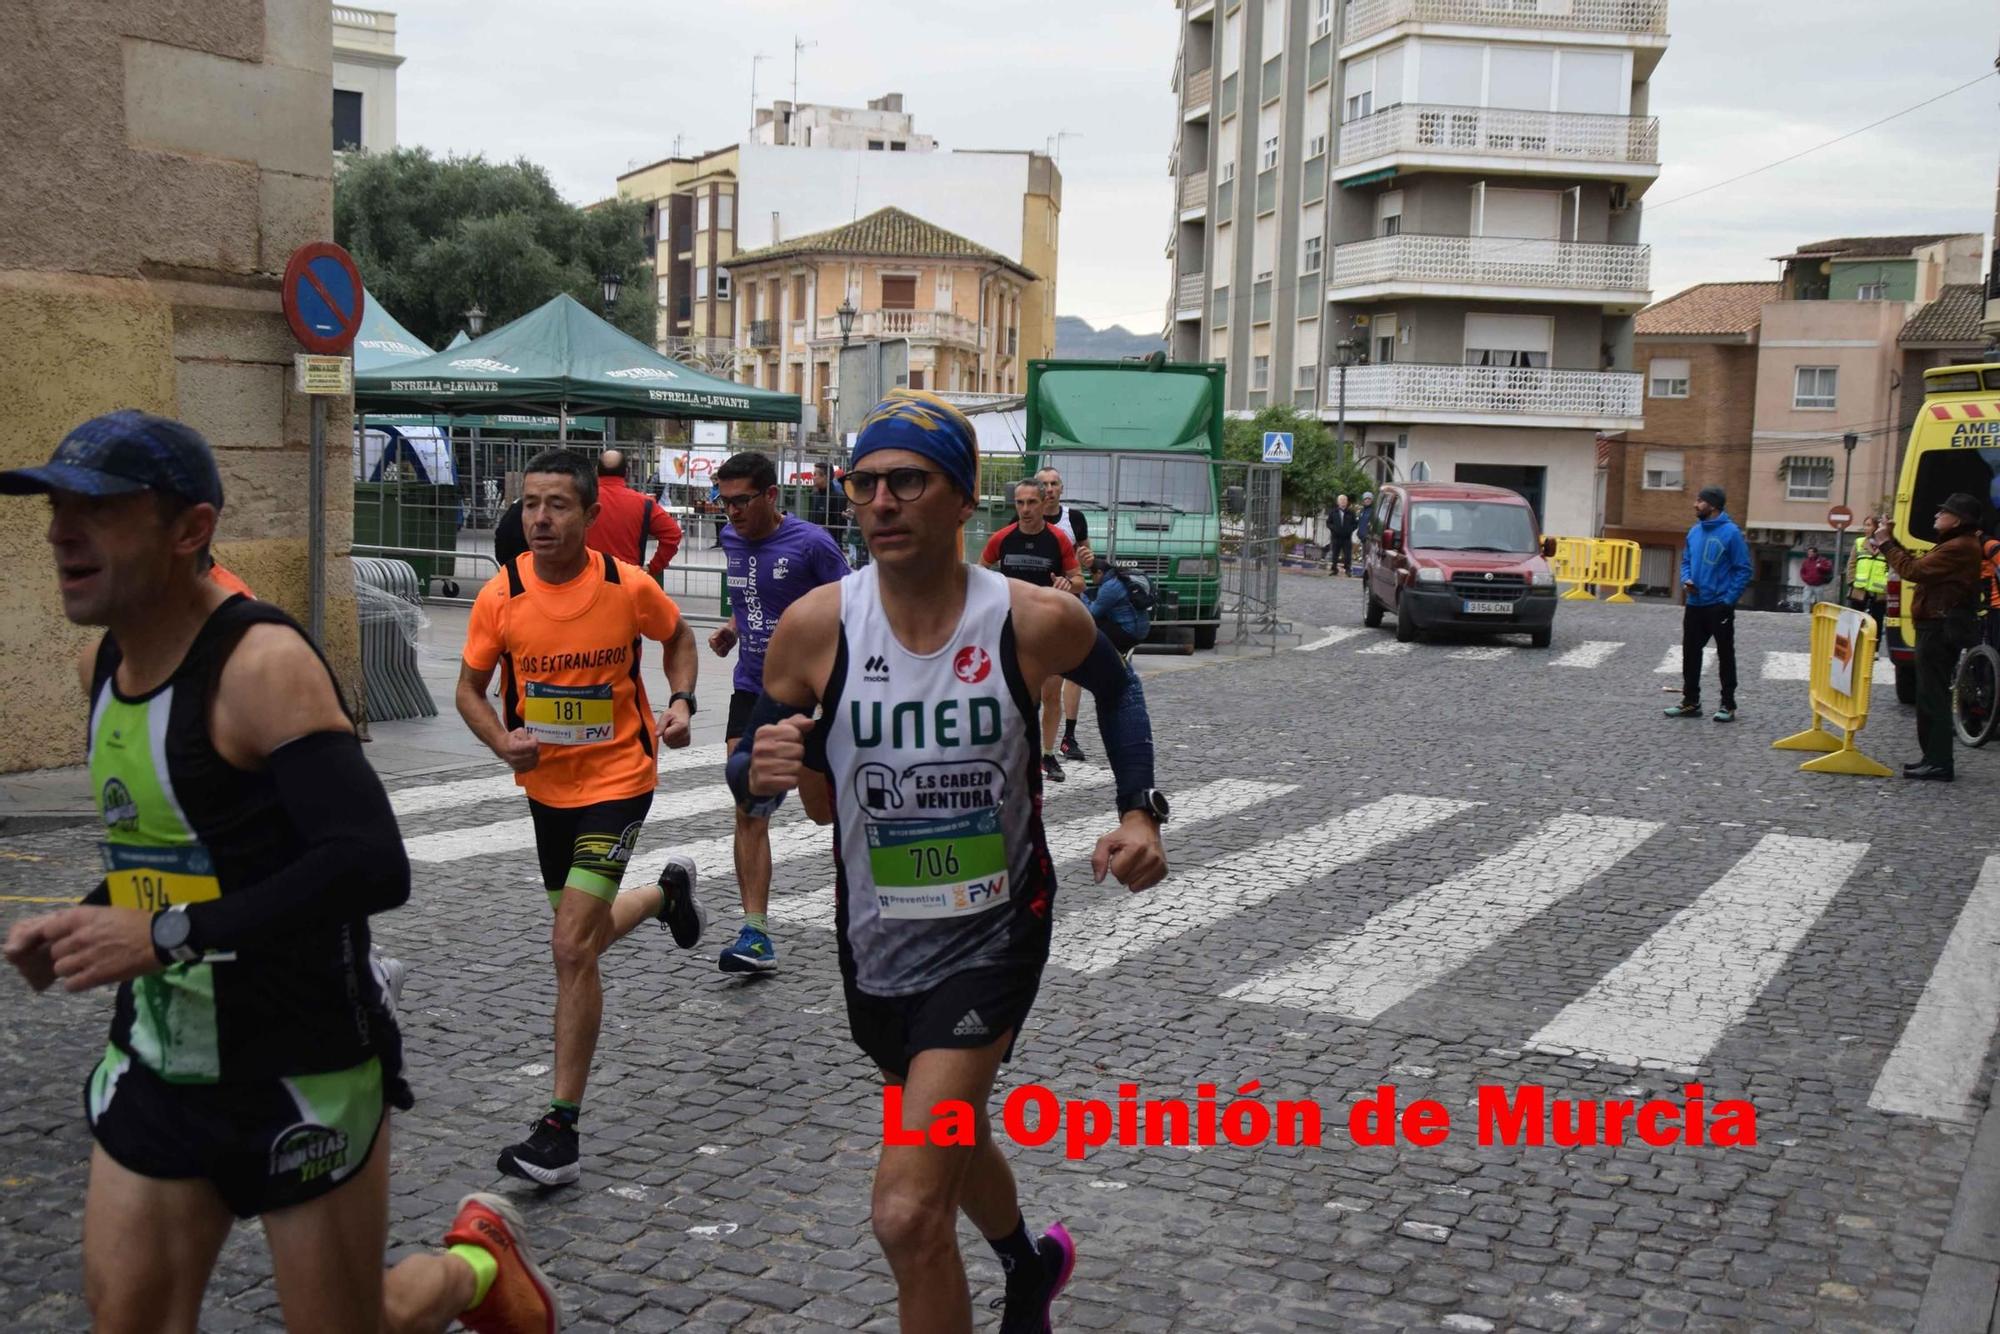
1075 338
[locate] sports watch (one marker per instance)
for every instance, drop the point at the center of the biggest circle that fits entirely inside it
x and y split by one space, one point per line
687 695
171 929
1150 800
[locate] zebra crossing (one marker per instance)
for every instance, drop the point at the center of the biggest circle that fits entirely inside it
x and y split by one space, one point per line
1770 665
1666 1004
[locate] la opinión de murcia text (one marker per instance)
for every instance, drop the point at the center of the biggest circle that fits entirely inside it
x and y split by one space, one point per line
1034 1116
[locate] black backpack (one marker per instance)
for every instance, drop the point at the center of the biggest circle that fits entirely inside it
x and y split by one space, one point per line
1137 587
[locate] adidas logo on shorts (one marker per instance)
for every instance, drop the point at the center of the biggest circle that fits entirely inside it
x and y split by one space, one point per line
972 1026
875 669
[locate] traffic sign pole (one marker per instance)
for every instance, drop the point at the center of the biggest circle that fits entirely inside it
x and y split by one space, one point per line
323 303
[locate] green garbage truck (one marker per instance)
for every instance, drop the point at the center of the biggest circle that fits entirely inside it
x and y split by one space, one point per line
1137 444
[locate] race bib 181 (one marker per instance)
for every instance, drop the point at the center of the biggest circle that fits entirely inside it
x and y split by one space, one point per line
568 715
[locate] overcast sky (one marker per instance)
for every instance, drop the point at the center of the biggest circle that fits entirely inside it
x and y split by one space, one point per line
595 87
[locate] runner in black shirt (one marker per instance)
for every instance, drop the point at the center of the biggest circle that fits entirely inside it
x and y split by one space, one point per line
1030 550
1070 521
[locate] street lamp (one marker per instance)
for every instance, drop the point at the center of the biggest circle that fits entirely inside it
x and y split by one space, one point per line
1850 440
475 319
612 283
845 313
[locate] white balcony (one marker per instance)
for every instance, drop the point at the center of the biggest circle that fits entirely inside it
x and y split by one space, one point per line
1422 136
1408 391
1640 23
1194 192
935 325
1491 267
1190 293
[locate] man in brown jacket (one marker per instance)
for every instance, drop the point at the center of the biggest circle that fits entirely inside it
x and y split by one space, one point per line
1942 579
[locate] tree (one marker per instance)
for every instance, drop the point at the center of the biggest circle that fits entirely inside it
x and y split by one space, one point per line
1314 476
433 237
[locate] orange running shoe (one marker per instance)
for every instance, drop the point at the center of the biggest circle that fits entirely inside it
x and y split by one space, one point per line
520 1300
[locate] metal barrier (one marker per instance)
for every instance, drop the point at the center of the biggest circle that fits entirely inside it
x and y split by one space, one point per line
1252 549
1586 563
387 594
1848 649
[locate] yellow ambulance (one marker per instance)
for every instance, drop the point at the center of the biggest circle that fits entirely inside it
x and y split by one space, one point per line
1954 446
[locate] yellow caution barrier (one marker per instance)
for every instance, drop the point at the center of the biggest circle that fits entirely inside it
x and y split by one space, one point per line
1571 565
1614 564
1851 650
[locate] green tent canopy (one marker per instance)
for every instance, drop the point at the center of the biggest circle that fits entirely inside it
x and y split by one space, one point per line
381 342
560 356
458 340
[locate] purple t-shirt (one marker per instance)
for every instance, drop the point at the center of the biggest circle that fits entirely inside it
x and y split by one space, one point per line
768 576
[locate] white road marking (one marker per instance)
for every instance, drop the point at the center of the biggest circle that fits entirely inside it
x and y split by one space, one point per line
1798 667
513 835
1389 648
466 791
1076 839
1410 945
1096 939
1486 652
1590 654
1674 998
1332 636
1935 1067
1670 665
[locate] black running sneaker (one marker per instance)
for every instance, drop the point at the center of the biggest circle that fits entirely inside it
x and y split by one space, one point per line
547 1157
1069 750
681 913
1025 1308
1051 770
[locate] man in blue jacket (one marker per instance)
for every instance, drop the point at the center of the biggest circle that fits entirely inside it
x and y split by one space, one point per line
1715 569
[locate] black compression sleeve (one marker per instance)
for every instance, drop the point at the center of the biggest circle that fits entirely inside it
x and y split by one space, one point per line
352 865
1121 715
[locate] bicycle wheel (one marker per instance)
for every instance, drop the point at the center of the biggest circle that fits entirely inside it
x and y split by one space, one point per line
1975 695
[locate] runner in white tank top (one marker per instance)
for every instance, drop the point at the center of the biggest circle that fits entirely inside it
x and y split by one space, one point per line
926 672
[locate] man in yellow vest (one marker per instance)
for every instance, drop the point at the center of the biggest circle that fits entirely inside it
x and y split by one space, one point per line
1869 584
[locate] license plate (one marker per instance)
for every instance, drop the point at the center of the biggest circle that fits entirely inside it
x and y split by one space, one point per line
1483 608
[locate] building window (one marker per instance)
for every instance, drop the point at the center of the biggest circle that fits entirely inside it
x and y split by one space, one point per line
798 296
1312 253
701 284
346 121
1809 479
1663 471
722 284
874 145
725 213
1260 372
1668 378
1389 214
1360 104
1814 388
1228 172
916 378
1308 376
899 293
1322 18
897 147
1872 292
701 212
1270 155
1316 146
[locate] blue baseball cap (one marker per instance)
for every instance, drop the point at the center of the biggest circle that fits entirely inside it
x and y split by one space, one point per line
122 453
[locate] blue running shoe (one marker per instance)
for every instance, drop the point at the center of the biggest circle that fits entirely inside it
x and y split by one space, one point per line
753 952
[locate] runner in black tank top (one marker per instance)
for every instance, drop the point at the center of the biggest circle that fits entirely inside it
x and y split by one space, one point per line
1035 553
253 1054
1072 523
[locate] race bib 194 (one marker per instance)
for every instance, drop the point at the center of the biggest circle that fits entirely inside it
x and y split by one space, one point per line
152 878
568 715
938 868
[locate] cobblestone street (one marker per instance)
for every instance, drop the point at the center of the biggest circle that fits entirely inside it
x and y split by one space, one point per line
1435 866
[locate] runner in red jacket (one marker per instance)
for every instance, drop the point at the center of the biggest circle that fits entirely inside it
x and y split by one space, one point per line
625 519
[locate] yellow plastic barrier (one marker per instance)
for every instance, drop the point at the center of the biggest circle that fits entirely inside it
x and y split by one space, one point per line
1571 565
1614 564
1846 710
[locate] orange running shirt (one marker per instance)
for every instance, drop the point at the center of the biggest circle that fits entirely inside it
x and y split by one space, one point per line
228 580
569 671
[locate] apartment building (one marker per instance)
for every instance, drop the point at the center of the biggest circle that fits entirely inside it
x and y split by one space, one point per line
1696 354
812 168
1442 193
364 80
957 303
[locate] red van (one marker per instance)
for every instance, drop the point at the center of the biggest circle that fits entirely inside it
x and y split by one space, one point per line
1455 556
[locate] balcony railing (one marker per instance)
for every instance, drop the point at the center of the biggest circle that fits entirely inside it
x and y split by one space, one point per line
763 333
1476 390
1365 18
1501 132
1499 261
1189 292
1194 190
1198 89
939 324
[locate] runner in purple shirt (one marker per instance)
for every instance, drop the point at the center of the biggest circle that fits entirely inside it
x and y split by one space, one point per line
774 560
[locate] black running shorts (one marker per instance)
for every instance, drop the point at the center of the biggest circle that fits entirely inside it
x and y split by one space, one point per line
586 847
741 704
263 1144
966 1010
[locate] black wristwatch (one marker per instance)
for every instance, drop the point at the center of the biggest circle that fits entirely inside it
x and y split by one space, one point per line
171 929
1150 800
687 695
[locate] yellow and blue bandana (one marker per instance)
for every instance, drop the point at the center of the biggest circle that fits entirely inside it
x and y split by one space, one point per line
923 424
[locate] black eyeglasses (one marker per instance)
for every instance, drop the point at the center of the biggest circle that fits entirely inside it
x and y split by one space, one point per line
734 503
904 483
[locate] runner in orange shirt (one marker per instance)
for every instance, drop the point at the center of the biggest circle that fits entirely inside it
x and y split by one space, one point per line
564 625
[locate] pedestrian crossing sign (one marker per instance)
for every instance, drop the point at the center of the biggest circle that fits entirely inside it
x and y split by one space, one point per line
1277 446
